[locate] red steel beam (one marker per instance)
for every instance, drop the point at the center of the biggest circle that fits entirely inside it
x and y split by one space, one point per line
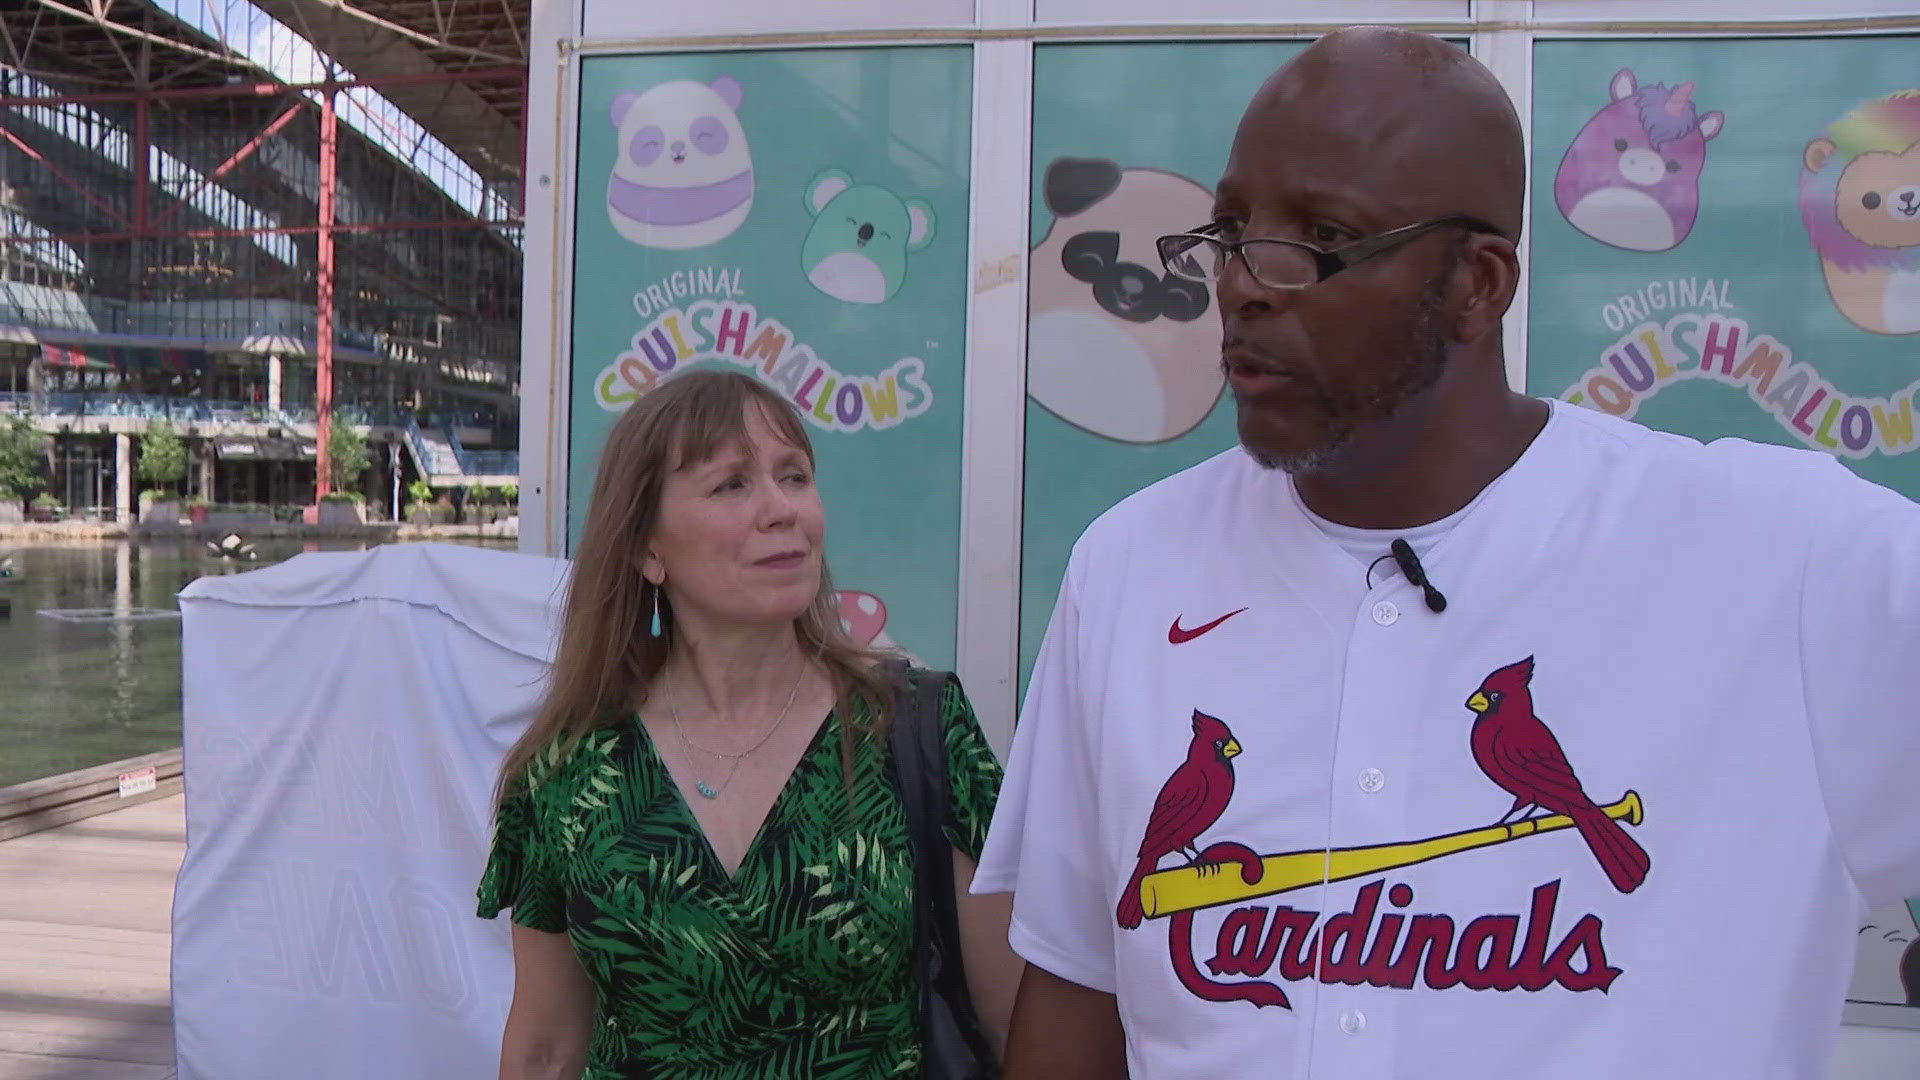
323 347
68 180
270 88
226 166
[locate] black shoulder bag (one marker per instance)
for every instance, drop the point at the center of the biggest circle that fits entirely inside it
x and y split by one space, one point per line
954 1045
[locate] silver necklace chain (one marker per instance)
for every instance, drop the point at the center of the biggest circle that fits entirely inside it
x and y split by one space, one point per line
700 785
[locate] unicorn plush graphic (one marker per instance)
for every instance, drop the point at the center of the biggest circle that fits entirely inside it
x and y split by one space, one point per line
1631 178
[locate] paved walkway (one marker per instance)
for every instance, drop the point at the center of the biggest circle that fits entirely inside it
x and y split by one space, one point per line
84 935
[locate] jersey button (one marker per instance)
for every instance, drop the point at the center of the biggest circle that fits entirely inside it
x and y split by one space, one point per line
1385 613
1372 780
1353 1021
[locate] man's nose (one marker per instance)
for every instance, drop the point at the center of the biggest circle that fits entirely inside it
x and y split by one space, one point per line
1238 290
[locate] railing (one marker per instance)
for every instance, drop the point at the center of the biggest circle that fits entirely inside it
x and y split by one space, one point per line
449 458
101 318
491 342
483 462
435 459
492 463
192 410
441 458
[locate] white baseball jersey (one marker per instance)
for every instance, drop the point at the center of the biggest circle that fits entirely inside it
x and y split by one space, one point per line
1686 677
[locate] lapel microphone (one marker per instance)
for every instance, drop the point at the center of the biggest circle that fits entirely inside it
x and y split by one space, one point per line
1409 564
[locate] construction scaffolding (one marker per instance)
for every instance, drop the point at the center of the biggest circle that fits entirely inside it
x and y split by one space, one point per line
251 216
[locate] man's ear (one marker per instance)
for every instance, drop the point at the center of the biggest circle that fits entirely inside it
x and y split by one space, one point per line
1485 280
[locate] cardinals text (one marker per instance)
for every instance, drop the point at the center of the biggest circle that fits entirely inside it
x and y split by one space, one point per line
1384 946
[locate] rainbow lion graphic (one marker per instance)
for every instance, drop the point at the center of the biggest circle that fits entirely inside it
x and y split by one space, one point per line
1860 199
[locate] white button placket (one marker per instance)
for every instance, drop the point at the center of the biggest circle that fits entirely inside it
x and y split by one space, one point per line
1356 1024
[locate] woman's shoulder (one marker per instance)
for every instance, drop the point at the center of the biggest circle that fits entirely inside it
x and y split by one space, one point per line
567 763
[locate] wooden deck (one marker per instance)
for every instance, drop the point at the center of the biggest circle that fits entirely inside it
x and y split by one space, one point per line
84 937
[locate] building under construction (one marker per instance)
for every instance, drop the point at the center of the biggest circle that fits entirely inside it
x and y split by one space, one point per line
237 217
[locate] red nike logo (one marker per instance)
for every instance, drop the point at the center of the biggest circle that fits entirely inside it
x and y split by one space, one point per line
1177 636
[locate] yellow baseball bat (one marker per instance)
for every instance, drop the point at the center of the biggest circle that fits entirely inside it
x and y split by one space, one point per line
1190 888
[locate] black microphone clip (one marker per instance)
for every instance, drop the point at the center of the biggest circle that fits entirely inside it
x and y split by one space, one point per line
1409 564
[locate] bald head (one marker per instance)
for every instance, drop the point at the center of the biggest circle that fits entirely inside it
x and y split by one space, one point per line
1401 116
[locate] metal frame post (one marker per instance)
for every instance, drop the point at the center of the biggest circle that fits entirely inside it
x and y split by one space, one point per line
323 348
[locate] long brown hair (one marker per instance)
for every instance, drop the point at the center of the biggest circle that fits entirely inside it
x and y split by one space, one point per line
606 655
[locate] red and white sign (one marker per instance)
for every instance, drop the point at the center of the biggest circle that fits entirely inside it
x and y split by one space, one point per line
137 782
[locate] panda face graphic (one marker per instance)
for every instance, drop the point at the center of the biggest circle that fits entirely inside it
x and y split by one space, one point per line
684 175
1116 346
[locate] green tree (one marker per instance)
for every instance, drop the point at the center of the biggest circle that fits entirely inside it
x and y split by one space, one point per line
21 458
347 456
163 457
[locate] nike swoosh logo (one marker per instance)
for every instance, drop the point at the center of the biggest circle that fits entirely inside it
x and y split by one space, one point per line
1177 636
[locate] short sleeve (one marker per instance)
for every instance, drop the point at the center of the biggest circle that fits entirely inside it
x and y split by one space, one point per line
1860 648
973 773
523 870
1040 847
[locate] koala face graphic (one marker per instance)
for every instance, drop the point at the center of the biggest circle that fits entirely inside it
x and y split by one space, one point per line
1115 345
856 249
684 177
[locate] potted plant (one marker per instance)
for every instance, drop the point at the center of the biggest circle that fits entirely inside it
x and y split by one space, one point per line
45 507
342 508
420 502
163 463
22 463
481 498
197 507
159 507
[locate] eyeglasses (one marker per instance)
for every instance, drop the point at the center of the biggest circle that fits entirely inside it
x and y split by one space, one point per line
1289 264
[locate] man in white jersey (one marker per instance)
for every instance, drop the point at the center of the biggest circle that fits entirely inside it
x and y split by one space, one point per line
1591 780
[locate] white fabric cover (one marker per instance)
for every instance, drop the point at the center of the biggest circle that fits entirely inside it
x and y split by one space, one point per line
344 718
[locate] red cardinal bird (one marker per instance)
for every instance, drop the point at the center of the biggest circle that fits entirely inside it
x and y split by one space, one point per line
1516 751
1191 800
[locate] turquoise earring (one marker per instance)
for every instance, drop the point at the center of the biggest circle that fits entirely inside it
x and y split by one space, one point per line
654 629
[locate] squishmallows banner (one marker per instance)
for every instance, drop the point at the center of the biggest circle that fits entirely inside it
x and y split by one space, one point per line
1726 240
1124 384
802 217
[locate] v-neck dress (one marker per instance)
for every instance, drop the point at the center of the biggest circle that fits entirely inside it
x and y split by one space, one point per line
799 965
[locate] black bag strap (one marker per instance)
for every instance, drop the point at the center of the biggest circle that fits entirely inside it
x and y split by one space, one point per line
917 739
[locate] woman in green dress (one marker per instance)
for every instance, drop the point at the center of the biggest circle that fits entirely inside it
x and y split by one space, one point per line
702 845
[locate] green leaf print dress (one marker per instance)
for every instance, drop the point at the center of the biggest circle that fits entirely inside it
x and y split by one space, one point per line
800 965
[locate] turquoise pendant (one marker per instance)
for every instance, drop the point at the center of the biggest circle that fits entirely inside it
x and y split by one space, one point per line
701 787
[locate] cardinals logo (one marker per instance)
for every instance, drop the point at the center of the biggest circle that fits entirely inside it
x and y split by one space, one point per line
1512 746
1192 799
